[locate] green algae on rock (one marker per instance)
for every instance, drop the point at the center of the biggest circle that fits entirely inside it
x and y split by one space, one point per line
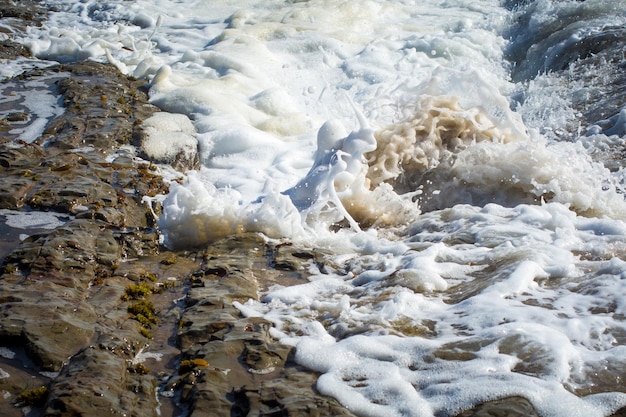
33 397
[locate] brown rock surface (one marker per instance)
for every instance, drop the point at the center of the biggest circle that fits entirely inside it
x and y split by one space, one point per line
256 372
60 300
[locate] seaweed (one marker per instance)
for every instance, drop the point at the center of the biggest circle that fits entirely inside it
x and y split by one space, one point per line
144 312
33 397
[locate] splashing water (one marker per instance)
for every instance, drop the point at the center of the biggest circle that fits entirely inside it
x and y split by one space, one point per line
462 161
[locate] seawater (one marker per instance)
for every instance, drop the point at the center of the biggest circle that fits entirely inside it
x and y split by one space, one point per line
461 160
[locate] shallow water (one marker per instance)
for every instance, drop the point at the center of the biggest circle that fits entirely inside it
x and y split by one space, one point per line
17 226
461 160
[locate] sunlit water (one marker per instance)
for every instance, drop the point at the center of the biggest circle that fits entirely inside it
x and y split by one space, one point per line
461 159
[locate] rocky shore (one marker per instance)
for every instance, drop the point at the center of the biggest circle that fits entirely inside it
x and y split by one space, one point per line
97 318
85 305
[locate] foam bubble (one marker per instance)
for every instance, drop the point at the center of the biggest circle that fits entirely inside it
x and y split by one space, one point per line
439 128
166 135
452 155
194 214
7 353
502 324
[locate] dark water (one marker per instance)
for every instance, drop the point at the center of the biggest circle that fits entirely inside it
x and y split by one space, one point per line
582 45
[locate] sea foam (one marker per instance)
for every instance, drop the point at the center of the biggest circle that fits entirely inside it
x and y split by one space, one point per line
476 256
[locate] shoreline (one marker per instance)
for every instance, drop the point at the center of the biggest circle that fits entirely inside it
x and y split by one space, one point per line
97 311
70 314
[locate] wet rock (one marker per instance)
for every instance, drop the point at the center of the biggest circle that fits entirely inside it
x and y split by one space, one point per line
67 256
46 277
17 376
51 277
248 372
11 50
68 168
103 107
289 395
507 407
60 289
30 11
97 382
238 366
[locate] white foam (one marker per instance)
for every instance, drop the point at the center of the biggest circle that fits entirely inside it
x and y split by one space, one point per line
34 219
142 356
518 333
194 214
7 353
168 135
477 265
